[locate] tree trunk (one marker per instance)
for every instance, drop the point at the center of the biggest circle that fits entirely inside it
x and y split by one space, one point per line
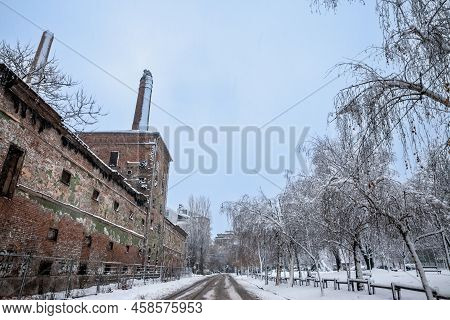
260 261
367 255
318 277
445 250
357 262
278 270
419 266
291 268
278 275
200 266
298 263
337 257
267 276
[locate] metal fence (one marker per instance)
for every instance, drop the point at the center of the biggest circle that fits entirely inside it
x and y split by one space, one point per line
41 277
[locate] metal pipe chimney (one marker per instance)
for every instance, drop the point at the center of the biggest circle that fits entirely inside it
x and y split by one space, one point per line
40 58
144 99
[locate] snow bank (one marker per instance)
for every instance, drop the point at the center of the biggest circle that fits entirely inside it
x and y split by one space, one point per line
441 282
150 291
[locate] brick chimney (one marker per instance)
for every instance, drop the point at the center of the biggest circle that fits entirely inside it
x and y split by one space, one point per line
142 113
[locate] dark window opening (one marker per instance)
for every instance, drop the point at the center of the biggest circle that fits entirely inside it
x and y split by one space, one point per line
110 245
65 177
82 269
127 249
130 172
113 158
116 206
107 269
52 234
11 169
124 269
45 267
95 194
143 222
131 216
88 241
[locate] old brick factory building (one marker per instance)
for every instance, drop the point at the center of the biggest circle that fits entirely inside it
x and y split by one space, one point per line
76 207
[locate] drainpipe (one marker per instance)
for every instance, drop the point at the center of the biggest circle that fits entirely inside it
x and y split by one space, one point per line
149 205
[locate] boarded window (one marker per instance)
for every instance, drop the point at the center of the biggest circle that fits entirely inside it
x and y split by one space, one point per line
45 267
95 194
11 170
52 234
113 158
65 177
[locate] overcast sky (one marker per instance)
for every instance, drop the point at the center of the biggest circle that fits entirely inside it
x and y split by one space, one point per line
228 63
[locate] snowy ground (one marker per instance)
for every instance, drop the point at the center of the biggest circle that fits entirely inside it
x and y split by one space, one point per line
150 291
271 292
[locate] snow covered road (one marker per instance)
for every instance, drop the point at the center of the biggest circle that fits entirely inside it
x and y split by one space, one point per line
218 287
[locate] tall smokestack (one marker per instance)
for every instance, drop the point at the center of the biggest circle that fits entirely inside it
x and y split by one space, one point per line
142 113
40 58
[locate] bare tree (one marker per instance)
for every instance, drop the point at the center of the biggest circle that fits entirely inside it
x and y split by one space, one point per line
199 231
408 93
77 108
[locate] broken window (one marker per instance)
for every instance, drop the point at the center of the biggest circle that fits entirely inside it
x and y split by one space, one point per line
65 177
88 241
107 269
11 171
113 158
82 269
52 234
95 194
45 267
116 206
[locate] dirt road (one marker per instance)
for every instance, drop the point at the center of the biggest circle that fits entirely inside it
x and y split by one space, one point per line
217 287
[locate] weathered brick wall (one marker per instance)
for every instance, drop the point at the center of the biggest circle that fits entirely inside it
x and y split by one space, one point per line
135 149
174 245
42 201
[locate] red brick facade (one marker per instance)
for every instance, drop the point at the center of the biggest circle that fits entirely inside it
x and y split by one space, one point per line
98 214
